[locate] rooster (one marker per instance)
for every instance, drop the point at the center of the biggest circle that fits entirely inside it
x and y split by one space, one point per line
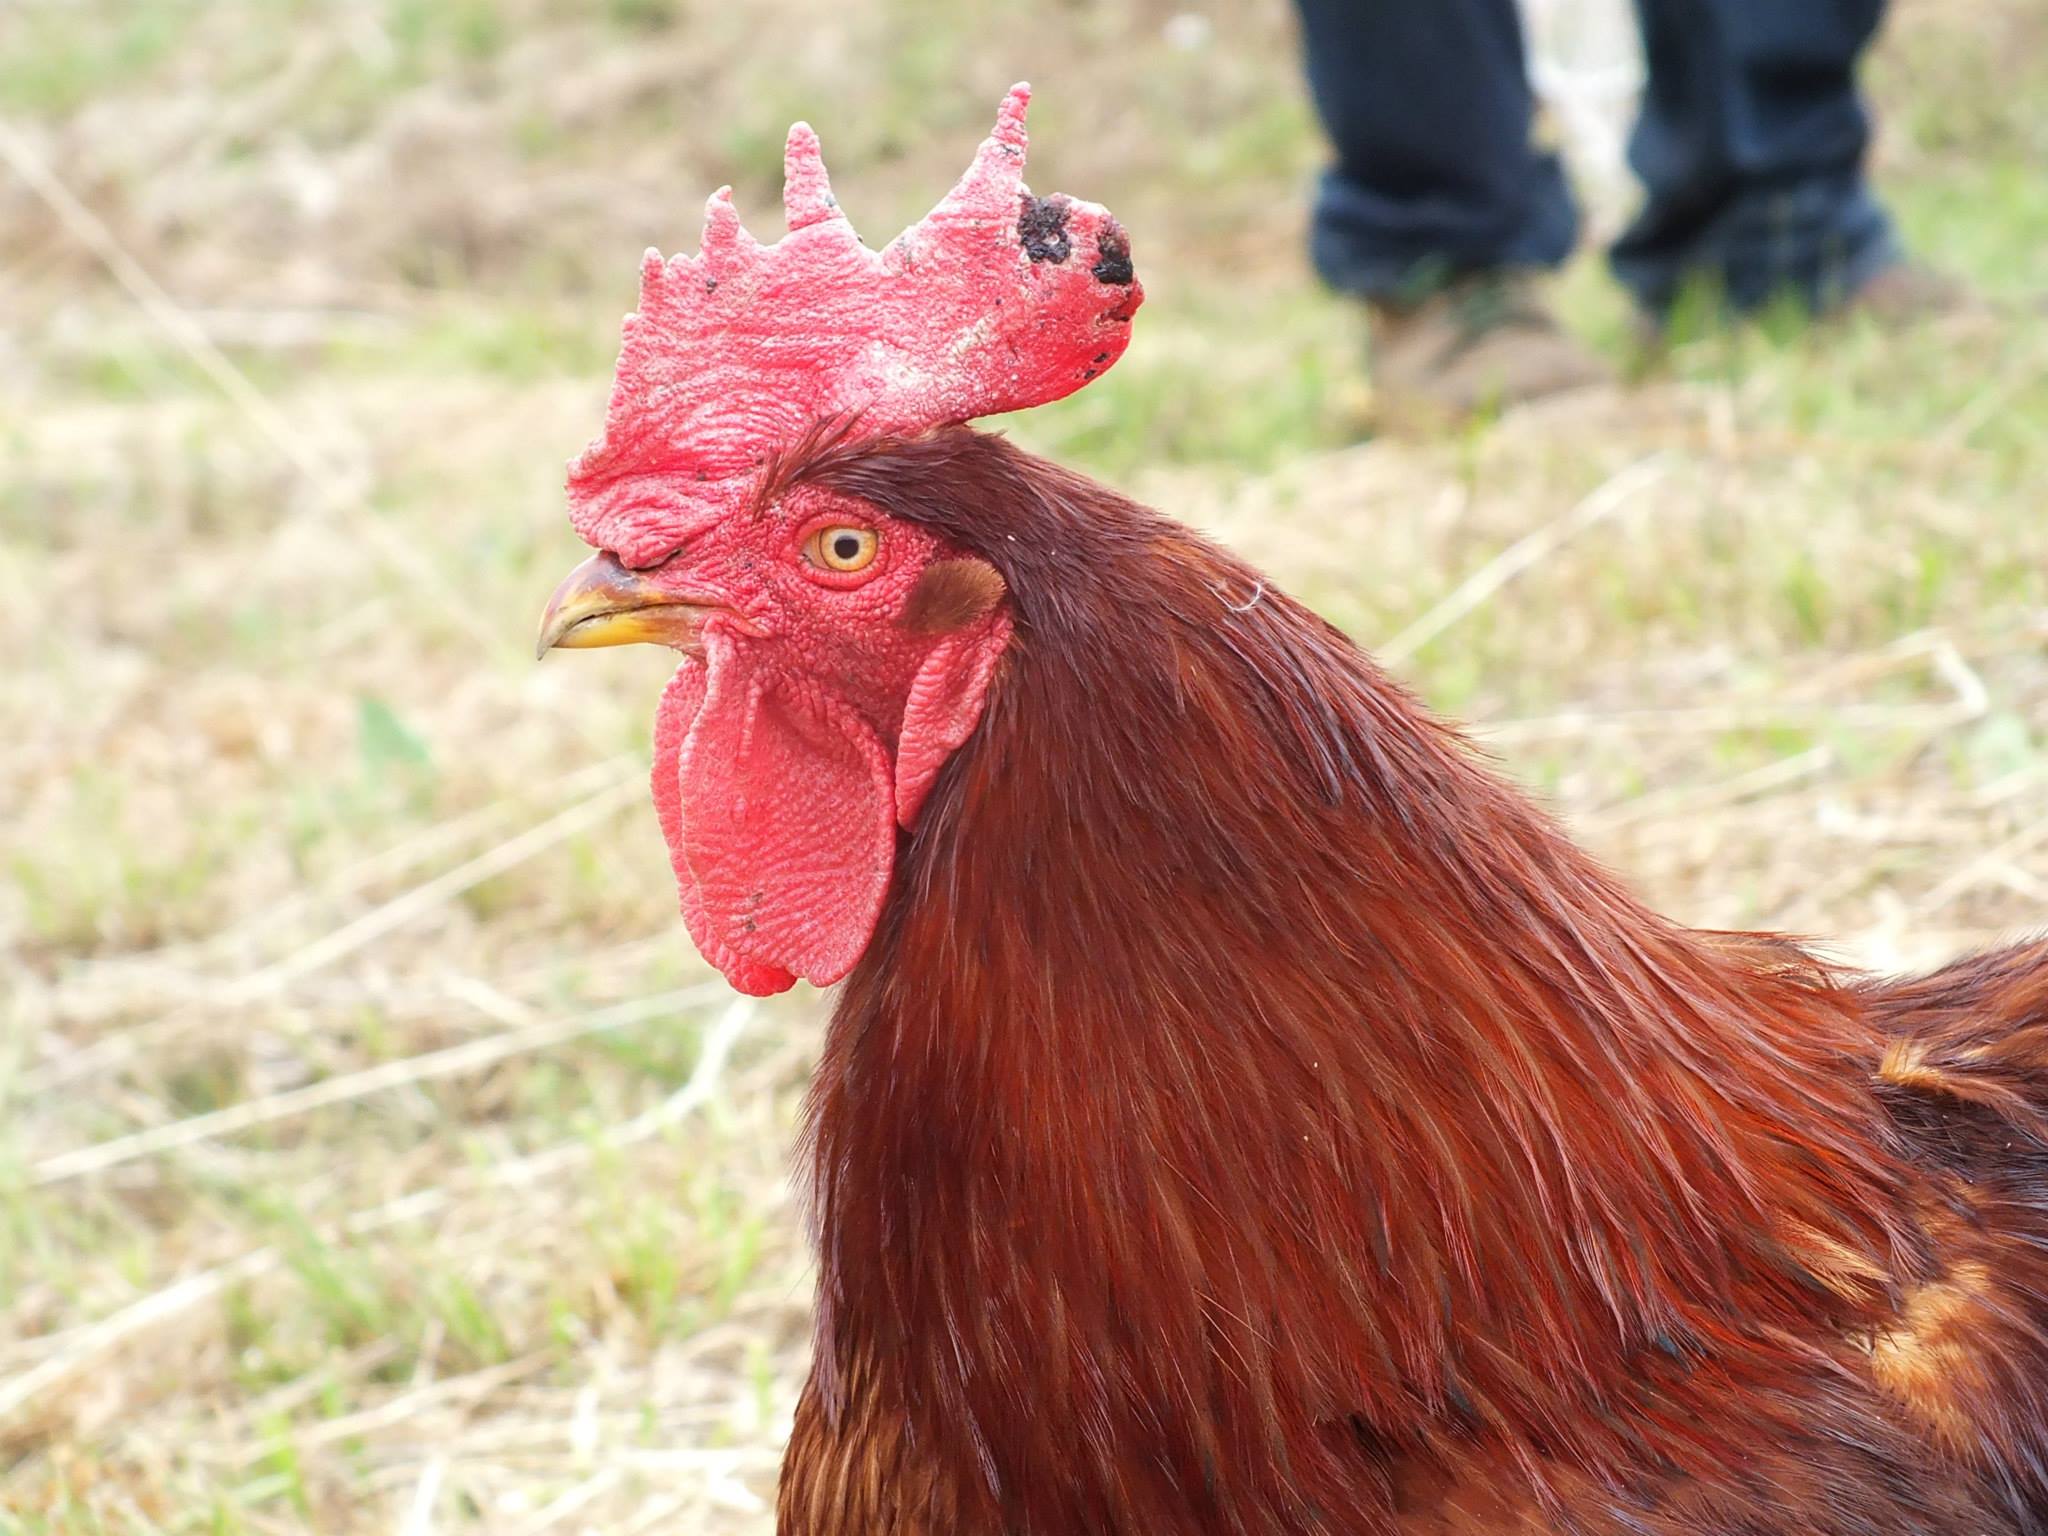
1244 1113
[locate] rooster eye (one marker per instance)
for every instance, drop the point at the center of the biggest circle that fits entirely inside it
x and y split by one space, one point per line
842 548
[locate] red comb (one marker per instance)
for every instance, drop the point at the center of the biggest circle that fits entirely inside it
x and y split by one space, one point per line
994 301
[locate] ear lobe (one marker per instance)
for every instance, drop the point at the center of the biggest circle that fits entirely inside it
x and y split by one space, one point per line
785 812
946 700
952 594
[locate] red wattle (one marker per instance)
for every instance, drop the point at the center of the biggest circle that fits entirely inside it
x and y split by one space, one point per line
777 802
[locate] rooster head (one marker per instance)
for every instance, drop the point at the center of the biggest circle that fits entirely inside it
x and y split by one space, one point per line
833 657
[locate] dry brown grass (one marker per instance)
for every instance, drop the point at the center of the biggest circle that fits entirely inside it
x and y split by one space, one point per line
374 1153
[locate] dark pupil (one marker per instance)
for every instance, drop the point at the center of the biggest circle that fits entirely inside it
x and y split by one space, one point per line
846 546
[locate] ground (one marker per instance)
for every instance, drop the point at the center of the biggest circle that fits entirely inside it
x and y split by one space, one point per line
375 1153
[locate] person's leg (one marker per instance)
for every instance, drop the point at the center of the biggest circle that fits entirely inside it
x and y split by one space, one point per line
1751 147
1427 104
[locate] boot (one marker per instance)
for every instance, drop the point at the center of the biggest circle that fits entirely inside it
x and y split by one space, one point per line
1484 342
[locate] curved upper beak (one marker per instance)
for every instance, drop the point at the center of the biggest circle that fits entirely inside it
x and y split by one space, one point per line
603 603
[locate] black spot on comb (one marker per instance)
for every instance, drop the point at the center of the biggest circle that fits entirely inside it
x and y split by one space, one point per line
1113 255
1042 226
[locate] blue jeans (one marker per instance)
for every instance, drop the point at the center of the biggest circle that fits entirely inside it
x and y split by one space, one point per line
1750 147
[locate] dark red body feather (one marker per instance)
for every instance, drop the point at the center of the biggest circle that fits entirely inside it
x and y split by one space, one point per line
1253 1116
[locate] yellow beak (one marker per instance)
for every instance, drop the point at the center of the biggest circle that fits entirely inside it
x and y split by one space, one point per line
603 603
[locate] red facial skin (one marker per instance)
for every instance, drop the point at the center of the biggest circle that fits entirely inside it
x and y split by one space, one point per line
803 730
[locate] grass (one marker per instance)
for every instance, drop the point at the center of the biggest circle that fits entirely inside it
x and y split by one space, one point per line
491 1233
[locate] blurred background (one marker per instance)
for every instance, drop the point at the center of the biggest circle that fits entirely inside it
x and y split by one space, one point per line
375 1153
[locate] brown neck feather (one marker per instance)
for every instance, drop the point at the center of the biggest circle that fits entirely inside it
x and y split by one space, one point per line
1240 1059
